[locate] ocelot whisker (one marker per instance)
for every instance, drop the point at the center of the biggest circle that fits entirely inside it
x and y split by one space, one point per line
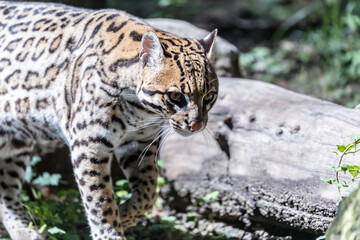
209 132
208 137
151 120
162 143
144 151
147 123
141 127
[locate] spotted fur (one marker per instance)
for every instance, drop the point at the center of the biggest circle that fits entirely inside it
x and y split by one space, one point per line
103 82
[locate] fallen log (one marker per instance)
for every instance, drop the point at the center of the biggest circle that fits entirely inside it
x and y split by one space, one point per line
269 149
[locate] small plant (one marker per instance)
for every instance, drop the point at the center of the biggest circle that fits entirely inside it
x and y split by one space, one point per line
62 216
208 197
46 179
122 191
351 184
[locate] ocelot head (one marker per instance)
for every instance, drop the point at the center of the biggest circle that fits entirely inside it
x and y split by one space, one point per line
178 80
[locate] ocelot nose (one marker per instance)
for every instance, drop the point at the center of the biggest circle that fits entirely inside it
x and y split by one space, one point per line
195 126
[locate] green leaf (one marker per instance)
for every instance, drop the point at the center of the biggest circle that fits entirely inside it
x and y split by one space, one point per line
24 197
335 169
35 160
161 181
344 167
123 183
191 216
164 3
121 193
321 237
212 195
352 167
199 200
168 219
42 228
29 174
341 148
353 170
37 195
342 184
328 180
56 230
47 179
160 163
351 147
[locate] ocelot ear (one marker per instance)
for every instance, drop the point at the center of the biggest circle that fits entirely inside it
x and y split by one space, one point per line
151 52
208 44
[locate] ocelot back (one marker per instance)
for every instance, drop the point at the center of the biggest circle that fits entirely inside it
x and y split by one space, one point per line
100 81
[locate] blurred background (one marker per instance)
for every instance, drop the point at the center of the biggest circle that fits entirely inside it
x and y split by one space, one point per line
308 46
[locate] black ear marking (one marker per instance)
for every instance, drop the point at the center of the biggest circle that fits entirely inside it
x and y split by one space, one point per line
208 43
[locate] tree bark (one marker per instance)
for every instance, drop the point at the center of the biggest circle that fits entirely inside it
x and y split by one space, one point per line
268 150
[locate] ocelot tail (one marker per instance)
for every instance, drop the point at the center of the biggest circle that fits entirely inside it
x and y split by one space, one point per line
102 82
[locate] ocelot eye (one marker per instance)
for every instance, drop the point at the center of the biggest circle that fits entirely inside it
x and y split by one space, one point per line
177 98
209 97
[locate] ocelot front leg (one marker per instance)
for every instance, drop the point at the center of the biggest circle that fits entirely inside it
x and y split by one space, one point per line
141 173
91 158
14 157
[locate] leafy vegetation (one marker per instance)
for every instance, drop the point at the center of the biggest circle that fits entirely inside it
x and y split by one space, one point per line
325 57
61 216
350 183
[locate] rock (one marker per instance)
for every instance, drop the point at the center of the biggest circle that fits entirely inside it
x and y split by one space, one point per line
226 54
266 153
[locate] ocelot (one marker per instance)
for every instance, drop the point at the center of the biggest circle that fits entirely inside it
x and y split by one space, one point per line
101 81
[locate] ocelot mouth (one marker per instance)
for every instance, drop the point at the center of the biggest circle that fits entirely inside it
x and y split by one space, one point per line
184 133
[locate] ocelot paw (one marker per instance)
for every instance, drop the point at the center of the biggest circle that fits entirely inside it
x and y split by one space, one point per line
111 236
118 238
25 234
